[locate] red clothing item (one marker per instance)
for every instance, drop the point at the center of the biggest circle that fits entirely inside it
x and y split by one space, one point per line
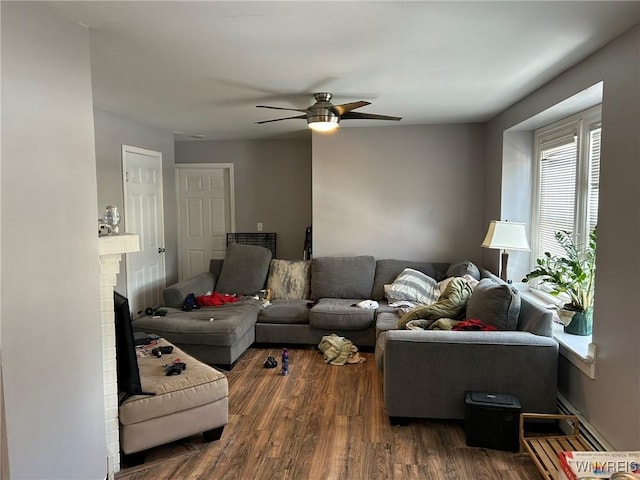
215 299
473 325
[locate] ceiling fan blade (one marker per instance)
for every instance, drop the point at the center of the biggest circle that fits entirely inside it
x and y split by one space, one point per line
347 107
278 119
367 116
282 108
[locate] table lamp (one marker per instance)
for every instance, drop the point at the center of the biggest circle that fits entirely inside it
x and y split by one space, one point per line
506 236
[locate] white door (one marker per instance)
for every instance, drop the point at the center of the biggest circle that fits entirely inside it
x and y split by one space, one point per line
205 214
142 170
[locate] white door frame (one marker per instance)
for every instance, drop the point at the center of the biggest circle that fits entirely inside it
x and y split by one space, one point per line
232 205
157 155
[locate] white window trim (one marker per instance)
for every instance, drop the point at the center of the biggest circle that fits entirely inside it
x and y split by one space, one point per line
548 137
579 350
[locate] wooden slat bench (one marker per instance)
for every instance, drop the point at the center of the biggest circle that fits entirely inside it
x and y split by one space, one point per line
544 450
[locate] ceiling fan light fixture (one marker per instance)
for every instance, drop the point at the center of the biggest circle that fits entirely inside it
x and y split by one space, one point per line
324 116
323 126
323 123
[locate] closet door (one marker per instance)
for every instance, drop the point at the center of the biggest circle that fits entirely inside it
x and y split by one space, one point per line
205 214
144 215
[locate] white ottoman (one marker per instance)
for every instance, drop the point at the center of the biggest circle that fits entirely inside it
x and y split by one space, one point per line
196 401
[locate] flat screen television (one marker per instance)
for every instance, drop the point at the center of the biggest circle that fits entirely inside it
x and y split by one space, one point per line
126 361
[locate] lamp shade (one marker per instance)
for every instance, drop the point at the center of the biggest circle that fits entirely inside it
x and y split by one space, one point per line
507 236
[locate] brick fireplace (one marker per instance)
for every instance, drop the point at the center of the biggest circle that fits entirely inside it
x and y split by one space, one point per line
111 248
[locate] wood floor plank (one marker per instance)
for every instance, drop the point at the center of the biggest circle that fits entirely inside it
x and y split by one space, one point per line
323 422
378 461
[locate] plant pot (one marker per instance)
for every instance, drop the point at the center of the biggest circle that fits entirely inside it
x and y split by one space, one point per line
581 323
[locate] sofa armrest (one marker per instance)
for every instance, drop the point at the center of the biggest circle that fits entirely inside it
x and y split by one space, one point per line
174 295
426 373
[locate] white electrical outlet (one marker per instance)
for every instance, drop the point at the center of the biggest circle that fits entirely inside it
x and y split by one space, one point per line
259 226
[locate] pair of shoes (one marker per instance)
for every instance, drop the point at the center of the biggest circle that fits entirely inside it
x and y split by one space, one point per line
157 312
270 363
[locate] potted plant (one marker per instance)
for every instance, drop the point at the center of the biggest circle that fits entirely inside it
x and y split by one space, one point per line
574 275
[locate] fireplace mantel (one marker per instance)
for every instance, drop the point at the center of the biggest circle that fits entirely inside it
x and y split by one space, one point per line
110 249
118 244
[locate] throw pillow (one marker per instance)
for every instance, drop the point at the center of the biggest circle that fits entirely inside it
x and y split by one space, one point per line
464 268
495 303
244 270
413 286
388 269
289 280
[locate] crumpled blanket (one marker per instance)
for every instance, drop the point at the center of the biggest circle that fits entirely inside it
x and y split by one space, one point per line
338 350
449 324
215 299
451 304
440 324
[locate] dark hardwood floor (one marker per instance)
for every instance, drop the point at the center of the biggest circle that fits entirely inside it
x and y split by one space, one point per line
323 422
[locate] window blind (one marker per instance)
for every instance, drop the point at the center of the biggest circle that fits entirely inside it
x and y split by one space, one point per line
567 180
557 194
594 176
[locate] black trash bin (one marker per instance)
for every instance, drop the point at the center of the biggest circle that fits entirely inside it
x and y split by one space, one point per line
492 420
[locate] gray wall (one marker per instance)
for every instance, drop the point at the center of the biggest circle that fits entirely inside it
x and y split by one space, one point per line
111 133
50 317
272 184
411 192
517 167
611 401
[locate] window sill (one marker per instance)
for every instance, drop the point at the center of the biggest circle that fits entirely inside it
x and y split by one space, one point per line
579 350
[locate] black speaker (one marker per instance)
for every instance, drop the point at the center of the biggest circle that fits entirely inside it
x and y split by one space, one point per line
492 421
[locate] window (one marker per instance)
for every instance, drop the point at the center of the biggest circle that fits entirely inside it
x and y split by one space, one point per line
567 174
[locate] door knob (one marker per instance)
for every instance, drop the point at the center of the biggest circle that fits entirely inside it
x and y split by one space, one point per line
161 250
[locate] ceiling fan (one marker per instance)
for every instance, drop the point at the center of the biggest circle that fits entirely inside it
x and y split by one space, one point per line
324 115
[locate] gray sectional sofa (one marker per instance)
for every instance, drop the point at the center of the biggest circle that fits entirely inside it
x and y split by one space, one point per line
426 373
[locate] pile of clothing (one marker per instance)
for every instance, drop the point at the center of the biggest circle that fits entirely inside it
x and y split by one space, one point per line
339 350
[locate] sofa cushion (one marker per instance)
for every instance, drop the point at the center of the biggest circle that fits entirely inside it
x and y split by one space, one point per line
340 314
289 280
413 286
386 321
288 312
383 307
244 270
461 269
342 277
230 323
388 269
199 385
494 303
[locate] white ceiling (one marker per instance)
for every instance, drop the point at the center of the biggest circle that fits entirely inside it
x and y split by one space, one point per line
201 67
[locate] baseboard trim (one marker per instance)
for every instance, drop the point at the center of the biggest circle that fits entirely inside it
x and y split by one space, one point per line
587 431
